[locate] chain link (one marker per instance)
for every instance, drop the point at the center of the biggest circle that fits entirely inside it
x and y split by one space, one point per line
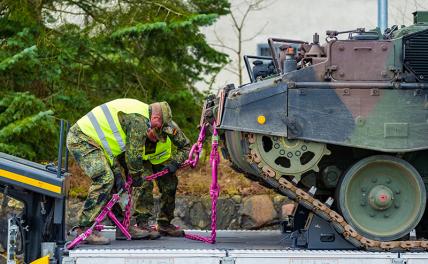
322 210
214 187
192 161
128 187
196 149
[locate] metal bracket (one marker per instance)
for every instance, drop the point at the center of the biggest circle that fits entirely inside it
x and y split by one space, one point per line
329 71
68 260
5 198
12 233
227 260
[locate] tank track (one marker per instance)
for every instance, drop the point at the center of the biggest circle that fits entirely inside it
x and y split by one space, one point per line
321 209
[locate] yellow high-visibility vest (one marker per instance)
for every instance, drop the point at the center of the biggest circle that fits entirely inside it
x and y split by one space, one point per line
103 126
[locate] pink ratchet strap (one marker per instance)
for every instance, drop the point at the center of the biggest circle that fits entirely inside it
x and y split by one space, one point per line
192 161
107 211
214 188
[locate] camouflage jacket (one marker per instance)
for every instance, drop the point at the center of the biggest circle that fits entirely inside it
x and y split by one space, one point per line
135 127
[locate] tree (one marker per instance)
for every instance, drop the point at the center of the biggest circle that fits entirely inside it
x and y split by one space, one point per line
238 15
74 55
27 128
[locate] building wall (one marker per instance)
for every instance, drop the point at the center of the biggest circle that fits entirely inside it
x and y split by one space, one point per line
299 20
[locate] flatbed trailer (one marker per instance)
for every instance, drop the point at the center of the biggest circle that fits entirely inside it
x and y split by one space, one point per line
232 247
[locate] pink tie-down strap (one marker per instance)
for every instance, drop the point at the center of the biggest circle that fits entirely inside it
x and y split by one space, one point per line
192 161
214 191
97 223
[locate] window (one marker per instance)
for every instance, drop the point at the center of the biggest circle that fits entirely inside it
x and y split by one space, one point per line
263 49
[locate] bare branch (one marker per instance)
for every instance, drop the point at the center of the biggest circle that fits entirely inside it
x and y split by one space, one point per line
233 67
235 22
140 84
239 14
213 78
218 38
86 8
256 34
245 17
258 4
400 14
418 5
62 11
223 46
166 8
232 71
159 76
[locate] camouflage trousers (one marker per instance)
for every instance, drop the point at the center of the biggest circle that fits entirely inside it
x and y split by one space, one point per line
143 197
91 159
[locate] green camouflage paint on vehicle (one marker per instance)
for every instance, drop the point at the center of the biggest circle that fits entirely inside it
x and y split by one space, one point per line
356 100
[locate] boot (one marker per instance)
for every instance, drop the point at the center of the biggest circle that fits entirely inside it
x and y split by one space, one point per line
96 238
135 231
170 230
153 234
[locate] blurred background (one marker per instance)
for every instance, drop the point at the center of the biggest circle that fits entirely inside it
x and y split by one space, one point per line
60 58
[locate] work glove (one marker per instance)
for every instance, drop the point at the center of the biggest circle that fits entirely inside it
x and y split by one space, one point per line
119 182
137 181
172 167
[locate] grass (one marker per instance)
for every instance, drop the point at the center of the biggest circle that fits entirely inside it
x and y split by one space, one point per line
198 180
194 182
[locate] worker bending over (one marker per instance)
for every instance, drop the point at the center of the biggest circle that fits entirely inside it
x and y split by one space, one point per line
114 136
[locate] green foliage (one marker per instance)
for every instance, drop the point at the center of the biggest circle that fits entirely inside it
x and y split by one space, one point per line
220 7
27 127
74 55
28 52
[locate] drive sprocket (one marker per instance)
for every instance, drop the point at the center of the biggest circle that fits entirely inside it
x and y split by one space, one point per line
279 156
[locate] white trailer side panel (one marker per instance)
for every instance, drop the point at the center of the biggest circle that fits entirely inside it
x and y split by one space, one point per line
143 256
310 257
414 258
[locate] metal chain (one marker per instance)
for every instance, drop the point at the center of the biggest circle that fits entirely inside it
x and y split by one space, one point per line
192 161
197 147
193 157
128 187
322 210
214 187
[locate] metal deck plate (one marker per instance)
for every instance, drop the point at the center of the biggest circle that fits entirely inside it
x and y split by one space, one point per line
233 247
225 240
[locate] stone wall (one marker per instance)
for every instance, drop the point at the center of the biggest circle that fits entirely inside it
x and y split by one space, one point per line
234 212
193 212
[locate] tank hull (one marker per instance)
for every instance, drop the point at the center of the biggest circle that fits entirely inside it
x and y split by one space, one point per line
353 109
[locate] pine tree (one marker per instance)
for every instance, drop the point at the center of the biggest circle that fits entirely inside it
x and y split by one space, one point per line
74 55
27 127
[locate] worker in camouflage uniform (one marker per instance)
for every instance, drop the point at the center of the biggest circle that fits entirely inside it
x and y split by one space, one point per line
114 135
167 186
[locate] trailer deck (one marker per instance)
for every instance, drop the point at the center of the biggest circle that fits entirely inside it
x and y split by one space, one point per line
232 247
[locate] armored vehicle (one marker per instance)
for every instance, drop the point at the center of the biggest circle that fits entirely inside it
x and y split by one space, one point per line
341 128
